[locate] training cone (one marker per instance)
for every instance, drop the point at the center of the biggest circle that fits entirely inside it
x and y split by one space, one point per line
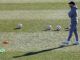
2 50
5 42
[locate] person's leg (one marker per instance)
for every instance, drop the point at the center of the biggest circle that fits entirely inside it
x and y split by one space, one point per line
76 35
70 33
75 32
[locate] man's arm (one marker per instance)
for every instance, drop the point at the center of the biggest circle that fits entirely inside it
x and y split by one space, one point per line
72 13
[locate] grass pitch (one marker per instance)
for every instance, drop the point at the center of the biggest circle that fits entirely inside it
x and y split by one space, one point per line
32 42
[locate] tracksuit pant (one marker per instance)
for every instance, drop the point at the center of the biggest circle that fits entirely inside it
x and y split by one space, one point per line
73 29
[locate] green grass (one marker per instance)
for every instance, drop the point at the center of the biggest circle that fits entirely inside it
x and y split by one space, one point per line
35 6
33 38
46 55
31 25
32 42
32 6
32 1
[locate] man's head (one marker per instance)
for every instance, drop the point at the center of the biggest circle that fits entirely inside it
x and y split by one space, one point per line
71 4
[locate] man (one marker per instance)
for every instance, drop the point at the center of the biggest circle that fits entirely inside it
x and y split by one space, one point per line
73 14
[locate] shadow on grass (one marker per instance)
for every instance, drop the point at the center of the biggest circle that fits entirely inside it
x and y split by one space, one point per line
66 29
47 30
56 30
51 30
42 51
16 28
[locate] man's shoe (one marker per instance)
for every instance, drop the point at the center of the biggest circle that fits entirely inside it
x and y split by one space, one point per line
65 42
77 43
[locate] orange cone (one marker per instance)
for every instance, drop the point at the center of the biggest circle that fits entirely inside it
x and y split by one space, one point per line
5 42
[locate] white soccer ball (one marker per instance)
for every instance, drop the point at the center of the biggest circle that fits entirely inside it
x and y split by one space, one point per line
58 28
69 26
49 27
19 26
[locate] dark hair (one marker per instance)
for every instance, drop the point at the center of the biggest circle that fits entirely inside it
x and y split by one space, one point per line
72 2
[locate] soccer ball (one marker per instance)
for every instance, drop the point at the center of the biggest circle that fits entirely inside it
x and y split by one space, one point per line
49 27
19 26
69 26
58 28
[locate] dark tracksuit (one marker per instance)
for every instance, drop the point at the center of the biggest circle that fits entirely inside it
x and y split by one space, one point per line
73 14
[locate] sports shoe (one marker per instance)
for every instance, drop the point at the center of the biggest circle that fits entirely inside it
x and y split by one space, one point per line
65 42
76 43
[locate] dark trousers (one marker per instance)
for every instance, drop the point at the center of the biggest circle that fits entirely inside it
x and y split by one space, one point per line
73 30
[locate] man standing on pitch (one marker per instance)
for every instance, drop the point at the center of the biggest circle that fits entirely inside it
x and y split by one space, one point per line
73 14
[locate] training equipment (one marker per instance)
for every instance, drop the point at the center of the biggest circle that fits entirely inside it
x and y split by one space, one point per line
58 28
2 50
49 27
19 26
69 26
5 42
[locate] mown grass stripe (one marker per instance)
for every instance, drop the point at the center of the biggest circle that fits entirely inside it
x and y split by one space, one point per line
38 14
31 1
35 6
